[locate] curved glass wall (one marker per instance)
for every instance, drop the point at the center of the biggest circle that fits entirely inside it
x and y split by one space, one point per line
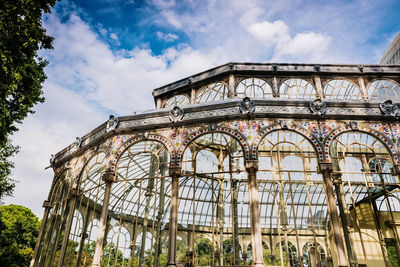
384 90
49 249
213 210
254 88
212 92
293 205
341 90
139 206
365 166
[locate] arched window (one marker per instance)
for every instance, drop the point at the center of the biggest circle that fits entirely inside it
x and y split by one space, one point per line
289 253
291 193
384 90
91 184
75 235
117 251
253 88
140 198
90 242
314 255
212 92
297 89
364 164
214 196
341 90
177 100
145 249
203 252
89 202
55 226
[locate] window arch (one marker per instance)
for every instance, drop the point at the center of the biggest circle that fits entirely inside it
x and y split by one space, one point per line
297 89
117 250
254 88
177 100
203 250
314 255
91 184
342 90
144 248
290 253
384 90
365 165
90 241
55 226
212 92
214 196
140 197
291 193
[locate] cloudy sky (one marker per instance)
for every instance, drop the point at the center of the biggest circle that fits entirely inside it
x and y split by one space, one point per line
110 54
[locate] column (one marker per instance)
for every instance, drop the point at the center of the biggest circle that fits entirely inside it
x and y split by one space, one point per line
108 178
73 193
175 173
337 182
326 170
47 207
364 91
318 86
231 86
256 240
193 96
236 221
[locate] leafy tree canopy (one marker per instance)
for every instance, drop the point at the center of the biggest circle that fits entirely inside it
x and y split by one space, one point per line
19 228
21 71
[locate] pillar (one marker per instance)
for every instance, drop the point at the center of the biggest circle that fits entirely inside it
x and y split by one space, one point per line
337 182
47 207
231 86
364 91
326 170
256 240
318 86
175 173
108 178
235 221
73 193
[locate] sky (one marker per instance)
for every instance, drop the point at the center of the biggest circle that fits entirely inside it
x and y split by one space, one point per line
109 55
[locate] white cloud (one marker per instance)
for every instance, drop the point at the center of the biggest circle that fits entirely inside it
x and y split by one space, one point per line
167 37
308 46
87 81
305 47
114 36
270 32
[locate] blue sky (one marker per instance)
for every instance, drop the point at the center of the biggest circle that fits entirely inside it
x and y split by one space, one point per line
110 54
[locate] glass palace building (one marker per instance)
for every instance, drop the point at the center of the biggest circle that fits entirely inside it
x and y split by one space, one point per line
243 164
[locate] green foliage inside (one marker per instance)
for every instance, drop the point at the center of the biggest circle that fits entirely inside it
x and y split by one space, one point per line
203 252
19 228
21 71
393 259
274 257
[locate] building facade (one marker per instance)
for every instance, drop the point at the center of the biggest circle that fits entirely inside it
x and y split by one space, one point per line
243 164
392 54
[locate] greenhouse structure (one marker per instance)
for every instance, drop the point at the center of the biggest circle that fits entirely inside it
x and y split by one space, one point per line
244 164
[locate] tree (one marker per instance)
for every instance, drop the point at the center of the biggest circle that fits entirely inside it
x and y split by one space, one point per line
6 184
19 228
21 71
